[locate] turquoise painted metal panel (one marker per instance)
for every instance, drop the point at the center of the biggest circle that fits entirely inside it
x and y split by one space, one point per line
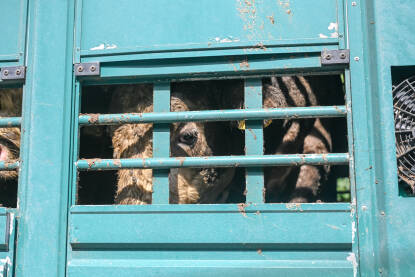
243 226
13 32
45 152
386 228
7 241
159 26
261 239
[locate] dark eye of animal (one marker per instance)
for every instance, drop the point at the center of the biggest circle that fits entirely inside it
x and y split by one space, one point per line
188 138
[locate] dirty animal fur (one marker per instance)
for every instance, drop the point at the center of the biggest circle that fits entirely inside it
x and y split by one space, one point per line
304 136
10 106
187 185
283 184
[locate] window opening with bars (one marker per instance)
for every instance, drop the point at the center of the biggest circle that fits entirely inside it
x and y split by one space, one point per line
10 120
260 140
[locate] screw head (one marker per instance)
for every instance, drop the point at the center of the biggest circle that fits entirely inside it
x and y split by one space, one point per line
327 56
92 68
342 56
80 68
356 59
18 71
5 72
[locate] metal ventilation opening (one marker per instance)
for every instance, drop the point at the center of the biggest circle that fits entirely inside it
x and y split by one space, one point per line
404 114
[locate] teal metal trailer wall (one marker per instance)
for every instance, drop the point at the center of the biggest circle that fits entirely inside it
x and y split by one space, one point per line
49 234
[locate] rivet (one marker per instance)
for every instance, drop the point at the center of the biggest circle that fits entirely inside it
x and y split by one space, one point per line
354 4
80 68
18 71
92 68
342 56
328 57
356 59
5 72
382 213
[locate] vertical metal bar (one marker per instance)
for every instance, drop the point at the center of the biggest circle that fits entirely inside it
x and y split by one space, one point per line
161 143
254 141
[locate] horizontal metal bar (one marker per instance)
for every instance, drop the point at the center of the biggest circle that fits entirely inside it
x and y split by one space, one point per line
5 166
219 161
215 115
10 122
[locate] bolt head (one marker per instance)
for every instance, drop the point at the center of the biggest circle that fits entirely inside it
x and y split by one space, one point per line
18 71
80 68
92 68
342 56
327 56
356 59
5 72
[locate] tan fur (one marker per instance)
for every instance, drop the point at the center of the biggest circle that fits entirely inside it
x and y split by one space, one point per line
10 106
187 185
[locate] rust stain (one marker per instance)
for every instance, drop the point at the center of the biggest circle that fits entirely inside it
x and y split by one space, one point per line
93 118
259 251
261 46
241 208
117 163
271 19
252 132
244 64
181 160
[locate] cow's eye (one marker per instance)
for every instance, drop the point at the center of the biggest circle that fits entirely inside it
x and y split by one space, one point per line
188 138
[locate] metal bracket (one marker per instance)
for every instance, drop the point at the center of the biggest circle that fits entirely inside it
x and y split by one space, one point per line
87 69
335 57
13 73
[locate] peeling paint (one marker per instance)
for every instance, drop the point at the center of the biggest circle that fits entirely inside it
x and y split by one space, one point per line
293 206
112 46
352 259
228 39
333 227
322 36
103 46
3 262
99 47
11 223
333 26
353 231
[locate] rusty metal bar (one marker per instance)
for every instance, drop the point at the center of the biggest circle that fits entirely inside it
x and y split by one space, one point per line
218 161
5 166
214 115
7 122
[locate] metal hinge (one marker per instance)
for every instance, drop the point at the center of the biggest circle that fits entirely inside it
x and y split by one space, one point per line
87 69
13 73
334 57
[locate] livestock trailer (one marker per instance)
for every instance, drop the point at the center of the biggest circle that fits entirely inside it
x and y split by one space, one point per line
55 50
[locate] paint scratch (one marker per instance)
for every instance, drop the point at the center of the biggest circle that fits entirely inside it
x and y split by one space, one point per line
352 259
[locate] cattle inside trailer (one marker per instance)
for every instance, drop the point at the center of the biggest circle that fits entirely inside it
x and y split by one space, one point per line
193 138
